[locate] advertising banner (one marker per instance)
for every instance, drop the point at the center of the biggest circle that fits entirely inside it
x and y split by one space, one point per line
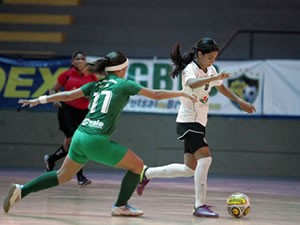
246 81
25 78
270 85
281 88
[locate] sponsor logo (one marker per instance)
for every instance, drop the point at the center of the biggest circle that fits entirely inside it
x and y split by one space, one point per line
92 123
204 99
236 201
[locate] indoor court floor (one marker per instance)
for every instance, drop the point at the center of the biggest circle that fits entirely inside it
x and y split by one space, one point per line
165 201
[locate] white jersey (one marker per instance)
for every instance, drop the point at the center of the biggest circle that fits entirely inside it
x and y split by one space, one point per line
190 111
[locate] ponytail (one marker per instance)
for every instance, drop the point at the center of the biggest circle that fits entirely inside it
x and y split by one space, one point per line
98 66
179 61
113 61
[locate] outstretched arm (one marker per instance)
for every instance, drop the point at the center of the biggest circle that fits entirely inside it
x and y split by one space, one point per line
247 107
201 81
61 96
164 94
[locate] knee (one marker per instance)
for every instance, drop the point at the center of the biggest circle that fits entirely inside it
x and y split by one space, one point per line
202 153
63 177
131 162
139 166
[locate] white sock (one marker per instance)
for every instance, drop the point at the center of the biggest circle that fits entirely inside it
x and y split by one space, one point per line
169 171
200 179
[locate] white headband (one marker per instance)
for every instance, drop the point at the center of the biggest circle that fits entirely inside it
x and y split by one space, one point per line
118 67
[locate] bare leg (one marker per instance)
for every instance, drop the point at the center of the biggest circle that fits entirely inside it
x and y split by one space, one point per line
131 162
68 169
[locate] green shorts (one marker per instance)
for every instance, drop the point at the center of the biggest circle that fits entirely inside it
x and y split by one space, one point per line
98 148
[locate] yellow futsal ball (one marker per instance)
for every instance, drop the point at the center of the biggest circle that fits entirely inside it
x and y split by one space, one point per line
238 205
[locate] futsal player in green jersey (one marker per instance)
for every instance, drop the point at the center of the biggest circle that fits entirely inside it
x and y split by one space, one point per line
91 141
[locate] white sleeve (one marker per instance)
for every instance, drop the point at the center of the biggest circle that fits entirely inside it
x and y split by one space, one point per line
187 74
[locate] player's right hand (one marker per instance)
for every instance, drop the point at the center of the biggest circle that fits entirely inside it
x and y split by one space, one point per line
223 76
29 102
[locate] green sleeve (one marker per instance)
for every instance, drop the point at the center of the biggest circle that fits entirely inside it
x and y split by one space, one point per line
131 87
86 89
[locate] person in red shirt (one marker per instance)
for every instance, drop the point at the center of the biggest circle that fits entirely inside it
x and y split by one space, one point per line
71 113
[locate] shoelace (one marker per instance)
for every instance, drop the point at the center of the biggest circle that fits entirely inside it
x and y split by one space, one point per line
130 207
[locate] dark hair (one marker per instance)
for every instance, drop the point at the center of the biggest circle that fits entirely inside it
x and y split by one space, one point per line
205 45
77 53
111 59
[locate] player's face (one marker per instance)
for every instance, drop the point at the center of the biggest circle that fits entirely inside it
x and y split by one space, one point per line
207 59
79 61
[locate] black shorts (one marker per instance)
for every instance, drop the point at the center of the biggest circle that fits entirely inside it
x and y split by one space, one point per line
69 118
193 135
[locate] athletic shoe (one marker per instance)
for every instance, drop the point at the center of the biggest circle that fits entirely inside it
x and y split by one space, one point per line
205 211
125 210
83 181
143 182
13 196
48 163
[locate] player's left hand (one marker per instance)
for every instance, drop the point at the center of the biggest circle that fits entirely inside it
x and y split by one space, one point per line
247 107
29 102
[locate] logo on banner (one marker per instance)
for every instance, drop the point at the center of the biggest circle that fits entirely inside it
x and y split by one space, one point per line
245 87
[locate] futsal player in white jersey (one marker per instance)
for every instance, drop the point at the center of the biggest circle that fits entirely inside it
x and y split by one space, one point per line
198 77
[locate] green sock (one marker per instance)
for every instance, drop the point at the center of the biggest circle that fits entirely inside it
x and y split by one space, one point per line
129 183
44 181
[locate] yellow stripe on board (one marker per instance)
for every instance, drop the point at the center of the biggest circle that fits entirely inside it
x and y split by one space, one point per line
48 37
43 2
35 19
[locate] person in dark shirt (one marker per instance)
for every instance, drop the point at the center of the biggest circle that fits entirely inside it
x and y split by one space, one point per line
71 113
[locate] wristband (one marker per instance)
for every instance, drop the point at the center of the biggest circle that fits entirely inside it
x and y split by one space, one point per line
43 99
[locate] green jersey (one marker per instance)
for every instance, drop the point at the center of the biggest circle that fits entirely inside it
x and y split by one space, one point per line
108 97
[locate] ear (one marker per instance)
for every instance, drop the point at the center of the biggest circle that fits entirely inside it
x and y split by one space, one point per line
199 54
